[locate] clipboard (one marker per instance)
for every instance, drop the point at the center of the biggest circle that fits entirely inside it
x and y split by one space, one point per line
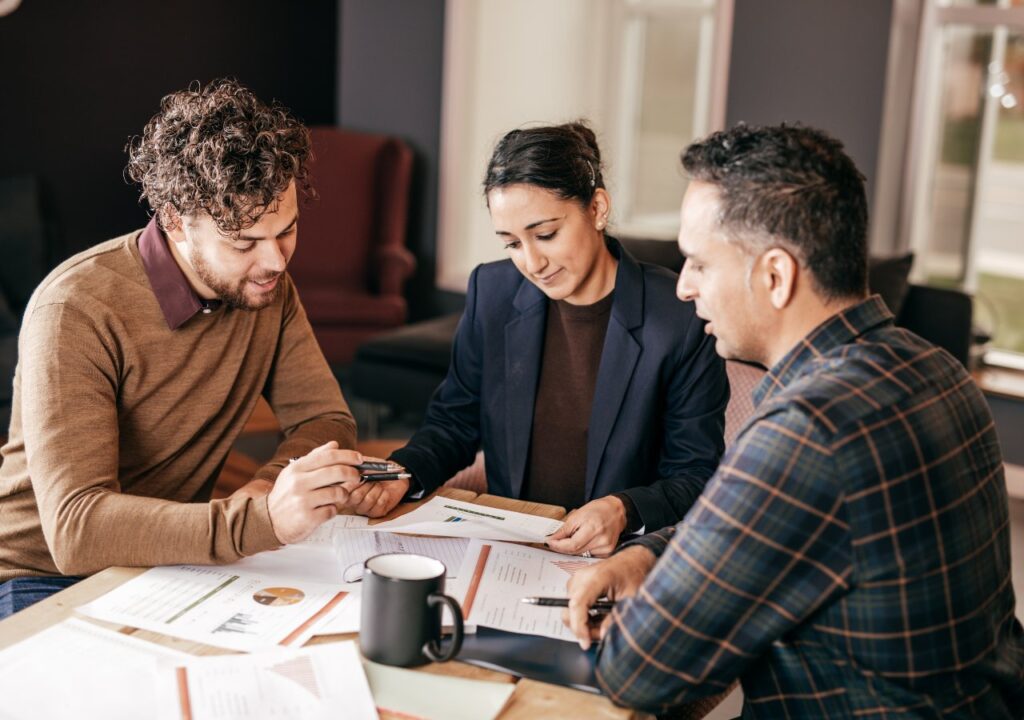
539 658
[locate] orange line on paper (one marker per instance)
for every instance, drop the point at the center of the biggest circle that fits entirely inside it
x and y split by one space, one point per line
183 698
478 573
316 616
399 714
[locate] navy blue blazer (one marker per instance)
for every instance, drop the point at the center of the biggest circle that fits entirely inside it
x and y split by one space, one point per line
659 404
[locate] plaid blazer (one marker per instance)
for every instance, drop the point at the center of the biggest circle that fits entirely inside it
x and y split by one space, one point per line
849 558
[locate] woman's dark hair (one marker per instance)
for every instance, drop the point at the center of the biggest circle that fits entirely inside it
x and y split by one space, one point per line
564 159
218 149
794 187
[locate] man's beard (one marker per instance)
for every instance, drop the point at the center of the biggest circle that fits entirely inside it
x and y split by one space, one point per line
233 297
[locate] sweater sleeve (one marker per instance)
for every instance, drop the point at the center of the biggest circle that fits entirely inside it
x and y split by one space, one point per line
303 392
71 371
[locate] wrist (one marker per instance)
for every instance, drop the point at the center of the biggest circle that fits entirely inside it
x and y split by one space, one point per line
255 488
621 513
639 557
633 521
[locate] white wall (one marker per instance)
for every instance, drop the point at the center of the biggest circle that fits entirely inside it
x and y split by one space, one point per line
538 73
649 75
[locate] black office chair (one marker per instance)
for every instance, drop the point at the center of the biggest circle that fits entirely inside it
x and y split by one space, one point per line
941 316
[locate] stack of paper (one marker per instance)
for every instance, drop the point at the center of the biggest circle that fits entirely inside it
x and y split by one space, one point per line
322 682
78 669
280 597
219 606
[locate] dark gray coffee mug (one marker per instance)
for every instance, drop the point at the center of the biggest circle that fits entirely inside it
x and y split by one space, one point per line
400 622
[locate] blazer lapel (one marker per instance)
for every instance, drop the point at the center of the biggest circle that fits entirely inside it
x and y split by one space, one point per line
524 349
618 360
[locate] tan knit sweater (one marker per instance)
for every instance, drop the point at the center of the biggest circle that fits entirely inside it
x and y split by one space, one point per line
120 425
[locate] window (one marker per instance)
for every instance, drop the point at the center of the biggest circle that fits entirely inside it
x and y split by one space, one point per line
966 211
673 58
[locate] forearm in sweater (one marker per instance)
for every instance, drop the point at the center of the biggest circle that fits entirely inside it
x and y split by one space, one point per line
70 372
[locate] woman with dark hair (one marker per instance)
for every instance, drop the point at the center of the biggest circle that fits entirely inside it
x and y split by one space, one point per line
585 381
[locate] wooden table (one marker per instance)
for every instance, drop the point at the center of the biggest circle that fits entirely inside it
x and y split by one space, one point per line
530 700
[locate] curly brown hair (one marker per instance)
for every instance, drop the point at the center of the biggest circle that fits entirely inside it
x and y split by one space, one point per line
220 150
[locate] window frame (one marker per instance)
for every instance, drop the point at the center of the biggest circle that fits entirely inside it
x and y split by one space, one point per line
910 126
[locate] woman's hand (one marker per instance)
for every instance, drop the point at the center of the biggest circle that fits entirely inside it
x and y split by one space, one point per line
375 498
592 530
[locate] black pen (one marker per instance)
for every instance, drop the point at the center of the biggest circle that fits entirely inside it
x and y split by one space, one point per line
374 477
379 465
600 607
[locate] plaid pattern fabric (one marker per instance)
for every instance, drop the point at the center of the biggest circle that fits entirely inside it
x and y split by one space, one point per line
850 557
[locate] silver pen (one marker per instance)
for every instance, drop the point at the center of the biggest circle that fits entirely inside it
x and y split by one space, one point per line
375 477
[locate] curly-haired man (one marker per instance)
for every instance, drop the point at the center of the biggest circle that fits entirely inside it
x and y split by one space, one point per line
850 558
141 359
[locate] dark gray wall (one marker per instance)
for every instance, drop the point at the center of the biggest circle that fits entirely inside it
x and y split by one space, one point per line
820 62
389 80
78 78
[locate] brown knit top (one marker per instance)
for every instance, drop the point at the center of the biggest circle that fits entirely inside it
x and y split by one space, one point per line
573 342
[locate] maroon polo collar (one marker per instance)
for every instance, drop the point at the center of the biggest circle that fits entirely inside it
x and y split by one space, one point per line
177 299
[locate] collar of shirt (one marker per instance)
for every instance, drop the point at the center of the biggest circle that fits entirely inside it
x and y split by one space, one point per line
838 330
178 301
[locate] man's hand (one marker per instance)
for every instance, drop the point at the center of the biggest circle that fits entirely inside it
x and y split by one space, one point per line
309 491
253 489
593 528
618 577
375 499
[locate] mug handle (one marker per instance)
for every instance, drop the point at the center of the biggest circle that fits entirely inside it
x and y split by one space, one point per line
432 649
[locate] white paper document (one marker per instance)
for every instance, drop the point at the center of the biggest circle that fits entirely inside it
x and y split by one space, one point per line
496 576
344 618
317 683
353 547
81 670
451 518
312 560
218 606
292 563
323 536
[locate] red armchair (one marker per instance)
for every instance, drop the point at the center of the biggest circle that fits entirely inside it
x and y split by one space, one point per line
351 261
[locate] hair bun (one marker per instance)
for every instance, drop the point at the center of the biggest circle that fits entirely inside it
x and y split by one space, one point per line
564 159
586 135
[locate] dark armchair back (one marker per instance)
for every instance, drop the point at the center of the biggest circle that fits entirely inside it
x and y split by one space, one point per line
351 261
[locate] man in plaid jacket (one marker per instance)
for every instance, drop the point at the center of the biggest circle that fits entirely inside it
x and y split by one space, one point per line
850 557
